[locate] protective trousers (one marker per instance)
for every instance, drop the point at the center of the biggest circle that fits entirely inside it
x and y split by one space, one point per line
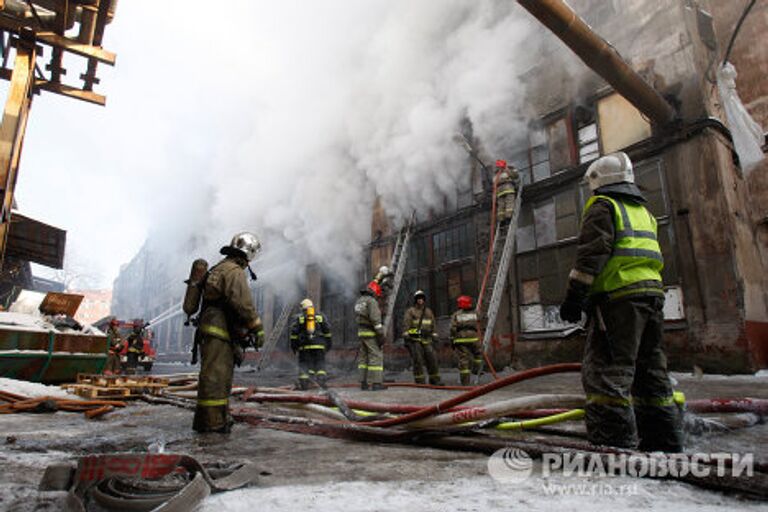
371 361
311 365
113 364
423 355
470 360
624 374
505 205
217 365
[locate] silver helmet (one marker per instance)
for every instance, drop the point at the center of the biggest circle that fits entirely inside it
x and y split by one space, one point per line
247 243
608 170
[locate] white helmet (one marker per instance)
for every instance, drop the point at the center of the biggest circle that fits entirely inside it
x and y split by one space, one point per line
306 303
247 243
609 169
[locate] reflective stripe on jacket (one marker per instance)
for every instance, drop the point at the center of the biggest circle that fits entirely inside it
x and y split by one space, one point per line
464 326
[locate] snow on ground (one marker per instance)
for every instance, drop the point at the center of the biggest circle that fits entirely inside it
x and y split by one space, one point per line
480 494
33 389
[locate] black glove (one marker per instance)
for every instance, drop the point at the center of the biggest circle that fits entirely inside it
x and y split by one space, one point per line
239 354
575 302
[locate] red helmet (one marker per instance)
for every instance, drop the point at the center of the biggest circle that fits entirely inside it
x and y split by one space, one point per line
464 302
375 288
501 163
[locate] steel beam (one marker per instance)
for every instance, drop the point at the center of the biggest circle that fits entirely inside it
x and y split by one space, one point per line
12 128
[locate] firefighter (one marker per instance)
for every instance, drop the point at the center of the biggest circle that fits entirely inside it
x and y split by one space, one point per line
617 280
370 334
419 326
227 319
135 343
465 340
311 338
507 182
115 344
385 278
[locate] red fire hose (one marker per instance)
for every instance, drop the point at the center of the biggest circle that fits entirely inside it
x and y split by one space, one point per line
478 391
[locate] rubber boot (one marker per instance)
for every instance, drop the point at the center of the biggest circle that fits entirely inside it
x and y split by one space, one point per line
378 387
464 379
364 386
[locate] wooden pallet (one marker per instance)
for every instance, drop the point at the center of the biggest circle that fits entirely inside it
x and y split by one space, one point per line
124 386
120 380
89 391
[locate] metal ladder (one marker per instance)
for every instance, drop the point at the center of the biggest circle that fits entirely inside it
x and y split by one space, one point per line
500 271
275 334
398 263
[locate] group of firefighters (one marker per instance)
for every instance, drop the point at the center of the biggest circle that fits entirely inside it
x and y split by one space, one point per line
616 281
132 345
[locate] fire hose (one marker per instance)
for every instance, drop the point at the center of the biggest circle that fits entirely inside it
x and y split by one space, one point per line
143 482
476 392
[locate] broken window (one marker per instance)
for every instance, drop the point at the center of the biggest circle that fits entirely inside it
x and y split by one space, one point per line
526 237
566 215
621 124
452 244
559 145
543 277
589 146
544 222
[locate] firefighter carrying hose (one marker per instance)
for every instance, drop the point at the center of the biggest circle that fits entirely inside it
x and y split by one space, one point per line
617 281
419 326
370 334
227 323
464 338
507 183
311 338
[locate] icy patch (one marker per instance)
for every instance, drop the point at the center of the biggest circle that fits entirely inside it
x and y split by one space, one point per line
33 389
479 494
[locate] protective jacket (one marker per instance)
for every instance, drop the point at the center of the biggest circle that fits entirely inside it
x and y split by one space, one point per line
115 340
369 323
419 324
464 326
507 182
618 254
320 339
227 310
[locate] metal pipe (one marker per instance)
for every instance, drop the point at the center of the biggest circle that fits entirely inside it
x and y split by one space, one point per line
601 57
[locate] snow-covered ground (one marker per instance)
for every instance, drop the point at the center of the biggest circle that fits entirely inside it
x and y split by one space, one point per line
478 493
33 389
304 472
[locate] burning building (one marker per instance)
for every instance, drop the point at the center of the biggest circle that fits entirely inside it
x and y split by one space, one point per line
652 93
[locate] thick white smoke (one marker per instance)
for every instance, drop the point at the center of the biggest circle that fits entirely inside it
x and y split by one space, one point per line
342 101
289 118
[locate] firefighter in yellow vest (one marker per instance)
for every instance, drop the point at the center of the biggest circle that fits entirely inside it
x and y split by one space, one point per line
465 340
370 334
227 318
419 334
617 281
311 338
507 182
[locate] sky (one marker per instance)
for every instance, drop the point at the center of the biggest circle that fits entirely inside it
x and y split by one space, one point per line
283 118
